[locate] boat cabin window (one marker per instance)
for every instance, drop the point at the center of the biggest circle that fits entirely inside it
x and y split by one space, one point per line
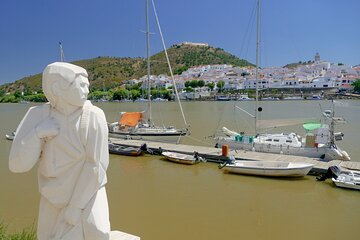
289 141
269 140
276 140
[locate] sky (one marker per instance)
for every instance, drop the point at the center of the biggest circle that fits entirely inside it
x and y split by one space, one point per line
291 31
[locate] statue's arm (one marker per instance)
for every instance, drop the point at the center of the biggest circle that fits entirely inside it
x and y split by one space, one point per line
26 147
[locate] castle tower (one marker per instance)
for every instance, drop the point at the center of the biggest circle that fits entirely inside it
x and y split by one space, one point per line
317 57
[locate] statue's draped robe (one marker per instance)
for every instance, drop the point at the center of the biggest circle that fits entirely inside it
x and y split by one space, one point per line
72 170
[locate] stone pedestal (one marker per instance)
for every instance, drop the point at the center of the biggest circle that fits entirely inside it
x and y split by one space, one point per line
117 235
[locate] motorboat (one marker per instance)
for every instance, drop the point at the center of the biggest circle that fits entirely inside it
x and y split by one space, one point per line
189 159
10 136
125 150
348 180
342 178
293 98
267 168
314 97
223 98
245 99
270 99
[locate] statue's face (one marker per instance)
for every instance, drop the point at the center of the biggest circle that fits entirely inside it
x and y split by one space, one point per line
77 92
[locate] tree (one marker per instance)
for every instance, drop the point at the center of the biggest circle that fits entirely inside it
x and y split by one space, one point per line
179 70
356 85
135 94
201 83
211 85
97 94
194 84
120 94
220 85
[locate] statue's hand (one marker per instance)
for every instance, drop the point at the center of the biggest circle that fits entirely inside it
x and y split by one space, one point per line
72 215
48 128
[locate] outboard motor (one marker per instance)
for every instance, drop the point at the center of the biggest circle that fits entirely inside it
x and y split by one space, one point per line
332 172
231 159
339 136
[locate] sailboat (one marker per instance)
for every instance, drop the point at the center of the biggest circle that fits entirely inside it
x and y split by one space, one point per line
134 124
320 144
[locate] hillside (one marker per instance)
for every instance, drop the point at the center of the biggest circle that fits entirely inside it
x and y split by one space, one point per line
298 64
109 72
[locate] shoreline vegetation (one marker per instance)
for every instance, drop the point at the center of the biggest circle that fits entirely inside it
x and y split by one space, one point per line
25 234
136 95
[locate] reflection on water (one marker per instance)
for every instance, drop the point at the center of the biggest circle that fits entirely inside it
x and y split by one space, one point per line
158 200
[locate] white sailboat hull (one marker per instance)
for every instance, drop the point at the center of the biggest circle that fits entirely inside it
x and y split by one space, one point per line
326 153
269 168
151 132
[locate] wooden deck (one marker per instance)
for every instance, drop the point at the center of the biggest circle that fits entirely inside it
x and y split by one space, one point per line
215 154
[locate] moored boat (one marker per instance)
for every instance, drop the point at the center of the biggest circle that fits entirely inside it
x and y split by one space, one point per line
125 150
342 178
268 168
348 180
135 124
183 158
10 136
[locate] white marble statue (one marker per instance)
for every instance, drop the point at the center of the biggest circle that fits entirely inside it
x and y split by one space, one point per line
69 138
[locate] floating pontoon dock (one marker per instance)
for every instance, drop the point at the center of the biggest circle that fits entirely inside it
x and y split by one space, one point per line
213 154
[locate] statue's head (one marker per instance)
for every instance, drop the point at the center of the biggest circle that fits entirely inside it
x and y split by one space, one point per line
65 82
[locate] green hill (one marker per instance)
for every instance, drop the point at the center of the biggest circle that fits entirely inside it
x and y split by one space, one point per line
109 72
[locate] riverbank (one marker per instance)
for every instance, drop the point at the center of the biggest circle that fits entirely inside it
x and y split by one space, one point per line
26 234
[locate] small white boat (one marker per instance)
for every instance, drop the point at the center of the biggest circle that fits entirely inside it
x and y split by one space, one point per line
10 136
270 99
342 178
347 180
268 168
314 97
245 99
183 158
293 98
222 98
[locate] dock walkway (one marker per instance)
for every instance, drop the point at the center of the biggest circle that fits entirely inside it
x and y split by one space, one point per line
215 154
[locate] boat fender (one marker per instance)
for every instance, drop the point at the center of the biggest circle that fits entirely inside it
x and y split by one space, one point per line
346 155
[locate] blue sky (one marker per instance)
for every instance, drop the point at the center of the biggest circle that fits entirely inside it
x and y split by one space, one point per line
291 31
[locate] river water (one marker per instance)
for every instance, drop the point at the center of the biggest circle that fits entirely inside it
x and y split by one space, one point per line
161 200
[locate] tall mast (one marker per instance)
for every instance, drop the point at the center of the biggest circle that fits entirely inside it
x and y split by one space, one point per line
257 64
148 57
62 57
332 123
